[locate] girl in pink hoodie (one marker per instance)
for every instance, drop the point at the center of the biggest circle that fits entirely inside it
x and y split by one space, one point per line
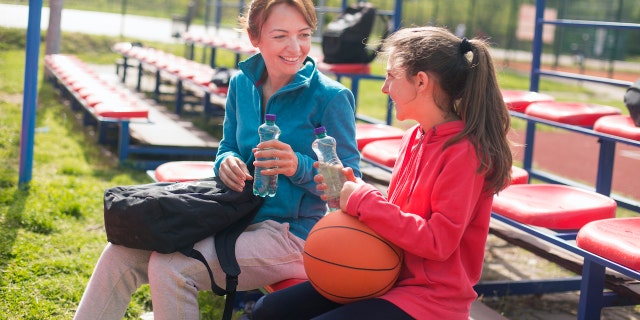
450 165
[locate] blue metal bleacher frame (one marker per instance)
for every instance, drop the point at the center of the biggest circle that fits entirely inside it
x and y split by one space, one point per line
608 142
591 283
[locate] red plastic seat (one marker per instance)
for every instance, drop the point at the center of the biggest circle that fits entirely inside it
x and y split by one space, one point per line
574 113
553 206
519 100
121 109
620 125
519 175
344 68
382 152
615 239
283 284
369 132
180 171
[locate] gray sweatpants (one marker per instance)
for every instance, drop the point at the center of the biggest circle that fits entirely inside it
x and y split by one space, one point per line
267 253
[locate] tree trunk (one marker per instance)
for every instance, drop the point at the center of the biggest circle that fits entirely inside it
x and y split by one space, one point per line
53 31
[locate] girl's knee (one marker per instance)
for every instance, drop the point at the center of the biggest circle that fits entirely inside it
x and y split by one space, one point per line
259 312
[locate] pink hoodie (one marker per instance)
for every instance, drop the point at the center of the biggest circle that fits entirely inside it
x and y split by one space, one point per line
438 213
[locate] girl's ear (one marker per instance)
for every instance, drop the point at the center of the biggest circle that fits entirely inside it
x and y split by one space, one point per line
422 81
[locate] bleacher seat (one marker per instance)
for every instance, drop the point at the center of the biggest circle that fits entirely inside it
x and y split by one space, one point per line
344 68
181 171
519 100
370 132
282 284
385 152
573 113
553 206
616 239
382 152
519 175
618 125
101 98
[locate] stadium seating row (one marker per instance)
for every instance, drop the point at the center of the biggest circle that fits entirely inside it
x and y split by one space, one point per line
122 118
188 76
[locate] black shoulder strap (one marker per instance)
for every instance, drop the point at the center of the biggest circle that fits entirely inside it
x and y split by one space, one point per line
193 253
225 244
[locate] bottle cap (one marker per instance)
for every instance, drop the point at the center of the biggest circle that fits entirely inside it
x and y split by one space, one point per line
319 130
270 117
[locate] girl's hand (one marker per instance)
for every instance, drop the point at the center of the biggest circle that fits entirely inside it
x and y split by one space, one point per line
319 179
348 188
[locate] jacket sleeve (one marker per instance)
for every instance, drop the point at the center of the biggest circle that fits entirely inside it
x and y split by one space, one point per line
228 145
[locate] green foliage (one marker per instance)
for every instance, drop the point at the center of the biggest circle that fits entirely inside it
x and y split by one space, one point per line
12 39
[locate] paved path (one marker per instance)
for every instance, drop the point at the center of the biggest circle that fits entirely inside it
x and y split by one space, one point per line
98 23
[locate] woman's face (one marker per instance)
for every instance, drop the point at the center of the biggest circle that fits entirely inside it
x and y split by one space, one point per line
402 90
285 41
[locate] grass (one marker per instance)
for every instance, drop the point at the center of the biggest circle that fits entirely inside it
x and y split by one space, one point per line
53 231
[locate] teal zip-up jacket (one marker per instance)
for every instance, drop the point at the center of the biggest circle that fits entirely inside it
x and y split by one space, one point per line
310 100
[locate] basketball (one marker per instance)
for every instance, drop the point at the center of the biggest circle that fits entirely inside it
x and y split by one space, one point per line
346 261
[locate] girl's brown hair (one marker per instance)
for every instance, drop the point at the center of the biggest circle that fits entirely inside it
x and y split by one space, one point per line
258 11
467 86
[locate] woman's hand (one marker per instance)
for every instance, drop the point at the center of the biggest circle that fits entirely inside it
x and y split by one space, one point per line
286 161
234 172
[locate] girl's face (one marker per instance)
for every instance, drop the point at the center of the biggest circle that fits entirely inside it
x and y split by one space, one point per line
402 90
285 41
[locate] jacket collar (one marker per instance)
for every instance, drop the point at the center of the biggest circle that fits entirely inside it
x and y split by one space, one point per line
254 67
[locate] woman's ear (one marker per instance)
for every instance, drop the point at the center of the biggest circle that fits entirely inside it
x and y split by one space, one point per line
254 42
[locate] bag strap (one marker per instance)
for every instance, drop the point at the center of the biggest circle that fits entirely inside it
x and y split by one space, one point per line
193 253
229 292
225 244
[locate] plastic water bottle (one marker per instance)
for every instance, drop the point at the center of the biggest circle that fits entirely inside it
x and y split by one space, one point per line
266 185
330 166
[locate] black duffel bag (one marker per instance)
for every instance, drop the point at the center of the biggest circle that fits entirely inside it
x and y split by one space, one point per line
632 101
172 216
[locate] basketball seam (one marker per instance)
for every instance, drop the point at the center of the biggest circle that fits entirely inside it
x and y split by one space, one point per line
352 267
385 241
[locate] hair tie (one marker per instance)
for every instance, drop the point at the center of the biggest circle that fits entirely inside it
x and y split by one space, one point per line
465 46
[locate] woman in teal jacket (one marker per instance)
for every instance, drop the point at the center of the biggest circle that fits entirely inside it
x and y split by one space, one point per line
310 100
281 80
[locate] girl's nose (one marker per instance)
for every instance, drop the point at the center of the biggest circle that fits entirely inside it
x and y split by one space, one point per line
385 87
